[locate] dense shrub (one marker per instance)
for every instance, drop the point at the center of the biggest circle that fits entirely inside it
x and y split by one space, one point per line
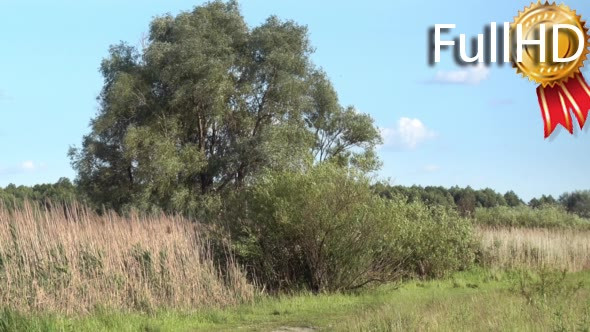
524 216
433 240
326 230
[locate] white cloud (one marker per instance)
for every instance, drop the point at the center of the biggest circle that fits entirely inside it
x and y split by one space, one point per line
430 168
24 167
28 165
471 75
500 102
3 95
407 133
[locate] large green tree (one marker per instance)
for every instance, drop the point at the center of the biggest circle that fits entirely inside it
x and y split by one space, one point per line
207 104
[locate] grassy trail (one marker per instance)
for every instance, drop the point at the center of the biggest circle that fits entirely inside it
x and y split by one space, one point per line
476 301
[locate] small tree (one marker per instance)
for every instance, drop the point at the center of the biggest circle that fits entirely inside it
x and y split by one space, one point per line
512 199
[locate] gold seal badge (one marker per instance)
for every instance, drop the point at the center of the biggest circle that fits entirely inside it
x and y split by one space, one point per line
549 73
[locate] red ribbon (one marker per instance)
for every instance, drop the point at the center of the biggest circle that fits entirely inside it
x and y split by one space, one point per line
557 101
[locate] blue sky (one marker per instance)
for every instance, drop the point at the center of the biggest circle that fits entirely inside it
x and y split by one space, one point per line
444 124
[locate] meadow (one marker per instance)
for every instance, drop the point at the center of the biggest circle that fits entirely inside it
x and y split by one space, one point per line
476 300
70 269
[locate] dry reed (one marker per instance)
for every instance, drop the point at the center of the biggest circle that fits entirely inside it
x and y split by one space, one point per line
71 260
529 247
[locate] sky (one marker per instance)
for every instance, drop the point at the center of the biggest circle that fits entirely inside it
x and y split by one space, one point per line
443 124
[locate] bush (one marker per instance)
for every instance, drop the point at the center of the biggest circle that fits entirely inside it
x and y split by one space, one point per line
326 230
546 216
434 240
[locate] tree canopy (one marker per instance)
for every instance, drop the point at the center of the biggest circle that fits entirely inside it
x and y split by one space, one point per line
208 104
465 200
577 202
63 191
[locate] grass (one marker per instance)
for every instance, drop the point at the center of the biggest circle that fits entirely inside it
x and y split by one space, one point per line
474 301
534 247
490 302
72 270
70 261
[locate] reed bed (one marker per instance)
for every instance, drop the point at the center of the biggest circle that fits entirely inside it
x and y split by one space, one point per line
71 260
567 249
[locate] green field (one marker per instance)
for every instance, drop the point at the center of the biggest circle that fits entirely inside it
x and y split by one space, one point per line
477 300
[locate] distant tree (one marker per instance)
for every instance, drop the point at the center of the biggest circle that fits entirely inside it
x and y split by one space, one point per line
382 189
577 202
488 198
512 199
466 201
535 203
63 191
208 104
542 201
548 200
437 196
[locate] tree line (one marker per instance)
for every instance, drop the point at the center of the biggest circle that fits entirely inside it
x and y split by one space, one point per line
64 191
466 200
463 199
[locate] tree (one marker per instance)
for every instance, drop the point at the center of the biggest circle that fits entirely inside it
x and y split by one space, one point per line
512 199
63 191
547 200
437 196
338 130
577 202
488 198
208 104
542 201
535 203
466 201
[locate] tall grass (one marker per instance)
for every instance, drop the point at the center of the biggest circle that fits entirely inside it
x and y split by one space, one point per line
72 260
476 300
535 247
